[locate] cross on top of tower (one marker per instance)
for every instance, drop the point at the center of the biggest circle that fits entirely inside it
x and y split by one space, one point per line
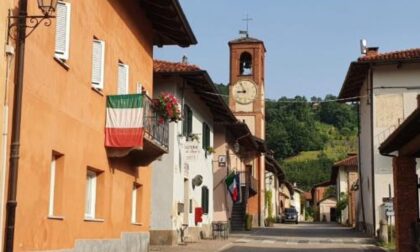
246 32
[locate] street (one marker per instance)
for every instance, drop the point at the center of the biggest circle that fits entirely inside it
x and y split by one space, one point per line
314 237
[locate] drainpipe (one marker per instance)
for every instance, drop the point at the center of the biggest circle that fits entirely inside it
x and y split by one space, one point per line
370 83
360 175
16 123
9 56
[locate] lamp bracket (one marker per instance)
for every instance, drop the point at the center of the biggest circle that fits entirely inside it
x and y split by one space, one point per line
34 22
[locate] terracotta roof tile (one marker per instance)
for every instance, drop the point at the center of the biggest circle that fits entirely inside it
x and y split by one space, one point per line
350 161
392 56
161 66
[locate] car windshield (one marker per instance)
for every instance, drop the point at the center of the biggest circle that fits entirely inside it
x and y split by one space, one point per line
290 210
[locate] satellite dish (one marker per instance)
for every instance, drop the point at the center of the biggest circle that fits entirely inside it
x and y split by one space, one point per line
363 46
197 181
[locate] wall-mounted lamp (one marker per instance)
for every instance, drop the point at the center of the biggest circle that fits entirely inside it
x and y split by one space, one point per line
47 8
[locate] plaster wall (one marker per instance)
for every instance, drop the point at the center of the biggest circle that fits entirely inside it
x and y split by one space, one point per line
325 209
62 113
183 169
343 188
365 149
391 106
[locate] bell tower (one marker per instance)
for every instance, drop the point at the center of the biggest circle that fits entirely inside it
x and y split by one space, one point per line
246 87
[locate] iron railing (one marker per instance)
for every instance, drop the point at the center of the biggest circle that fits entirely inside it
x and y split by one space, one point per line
155 130
246 179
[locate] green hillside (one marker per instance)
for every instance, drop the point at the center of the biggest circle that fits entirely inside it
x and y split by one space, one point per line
307 137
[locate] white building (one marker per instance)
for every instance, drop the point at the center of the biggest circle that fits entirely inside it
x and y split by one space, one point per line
386 86
297 202
182 181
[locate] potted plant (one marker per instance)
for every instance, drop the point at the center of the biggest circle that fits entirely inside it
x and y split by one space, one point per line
167 108
194 137
210 150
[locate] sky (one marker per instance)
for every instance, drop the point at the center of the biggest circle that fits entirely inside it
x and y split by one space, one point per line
310 44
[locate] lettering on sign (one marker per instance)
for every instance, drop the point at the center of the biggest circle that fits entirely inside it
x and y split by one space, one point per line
191 150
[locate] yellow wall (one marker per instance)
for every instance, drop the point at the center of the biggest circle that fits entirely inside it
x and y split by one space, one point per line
62 113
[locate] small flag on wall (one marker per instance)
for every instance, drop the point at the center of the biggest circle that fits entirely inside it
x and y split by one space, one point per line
124 121
233 185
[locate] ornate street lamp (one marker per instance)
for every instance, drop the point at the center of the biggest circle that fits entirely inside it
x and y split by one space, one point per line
47 7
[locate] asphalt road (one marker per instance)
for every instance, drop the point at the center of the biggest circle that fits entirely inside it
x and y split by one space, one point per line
304 237
315 237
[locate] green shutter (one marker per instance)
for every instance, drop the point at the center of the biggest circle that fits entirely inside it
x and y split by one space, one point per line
205 199
190 115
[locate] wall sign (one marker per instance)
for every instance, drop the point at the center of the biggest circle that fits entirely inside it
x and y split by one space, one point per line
222 161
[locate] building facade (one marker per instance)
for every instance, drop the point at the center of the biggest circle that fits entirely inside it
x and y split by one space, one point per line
246 100
385 85
71 194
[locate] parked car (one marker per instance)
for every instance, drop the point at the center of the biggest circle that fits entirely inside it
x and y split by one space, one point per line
290 215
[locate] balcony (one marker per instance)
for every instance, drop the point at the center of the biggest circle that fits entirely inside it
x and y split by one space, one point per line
155 141
248 181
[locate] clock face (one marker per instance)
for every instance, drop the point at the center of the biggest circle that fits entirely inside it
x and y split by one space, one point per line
244 91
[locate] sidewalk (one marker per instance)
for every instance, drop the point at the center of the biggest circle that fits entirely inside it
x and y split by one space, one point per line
201 246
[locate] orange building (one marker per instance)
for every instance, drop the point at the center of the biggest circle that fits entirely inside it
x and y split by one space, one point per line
71 194
246 100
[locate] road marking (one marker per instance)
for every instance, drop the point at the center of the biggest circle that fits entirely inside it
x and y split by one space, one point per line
242 241
336 240
292 242
314 242
226 246
268 241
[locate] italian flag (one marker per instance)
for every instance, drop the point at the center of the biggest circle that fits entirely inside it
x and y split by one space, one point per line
232 182
124 121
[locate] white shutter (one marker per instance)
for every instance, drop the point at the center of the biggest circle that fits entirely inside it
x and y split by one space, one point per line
52 186
90 195
98 59
62 35
134 204
122 79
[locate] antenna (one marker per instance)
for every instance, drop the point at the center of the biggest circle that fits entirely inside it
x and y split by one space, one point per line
363 46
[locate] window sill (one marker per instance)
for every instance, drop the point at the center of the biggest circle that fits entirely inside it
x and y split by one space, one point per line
53 217
98 91
137 224
93 220
62 63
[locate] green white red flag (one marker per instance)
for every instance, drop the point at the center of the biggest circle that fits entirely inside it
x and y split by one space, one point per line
232 183
124 121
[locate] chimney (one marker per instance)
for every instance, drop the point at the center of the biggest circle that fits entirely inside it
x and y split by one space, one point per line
372 51
184 59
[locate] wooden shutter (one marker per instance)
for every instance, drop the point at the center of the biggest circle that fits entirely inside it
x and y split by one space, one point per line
187 122
122 79
62 34
205 199
98 59
206 136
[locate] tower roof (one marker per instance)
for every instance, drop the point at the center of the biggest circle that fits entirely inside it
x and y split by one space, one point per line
247 40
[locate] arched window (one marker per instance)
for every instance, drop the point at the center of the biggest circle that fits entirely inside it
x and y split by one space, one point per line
245 64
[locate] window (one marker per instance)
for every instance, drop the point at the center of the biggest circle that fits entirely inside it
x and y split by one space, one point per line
205 199
187 122
122 78
90 209
94 194
62 34
206 136
245 64
98 61
56 184
136 198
